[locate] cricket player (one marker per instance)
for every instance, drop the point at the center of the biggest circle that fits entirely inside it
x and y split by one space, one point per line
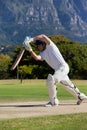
51 54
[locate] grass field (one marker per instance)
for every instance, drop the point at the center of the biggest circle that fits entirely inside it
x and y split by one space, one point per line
36 90
60 122
13 90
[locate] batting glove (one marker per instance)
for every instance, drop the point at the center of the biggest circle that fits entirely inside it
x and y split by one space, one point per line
26 43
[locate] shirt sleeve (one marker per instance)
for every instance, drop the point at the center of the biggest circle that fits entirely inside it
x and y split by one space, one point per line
41 54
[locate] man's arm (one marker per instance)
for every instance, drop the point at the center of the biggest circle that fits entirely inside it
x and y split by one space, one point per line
35 56
28 47
43 37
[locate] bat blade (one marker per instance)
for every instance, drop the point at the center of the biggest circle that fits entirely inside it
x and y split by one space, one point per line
19 57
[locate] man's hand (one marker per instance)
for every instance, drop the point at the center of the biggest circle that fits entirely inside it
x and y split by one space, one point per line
26 43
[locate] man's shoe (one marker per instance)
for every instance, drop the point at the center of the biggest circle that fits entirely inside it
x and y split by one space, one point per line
49 104
79 101
81 97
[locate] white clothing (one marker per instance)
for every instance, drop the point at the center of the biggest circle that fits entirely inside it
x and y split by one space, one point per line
52 56
61 73
55 60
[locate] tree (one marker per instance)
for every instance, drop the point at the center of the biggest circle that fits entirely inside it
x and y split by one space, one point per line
74 54
4 65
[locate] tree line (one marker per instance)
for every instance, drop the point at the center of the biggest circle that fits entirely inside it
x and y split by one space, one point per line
74 53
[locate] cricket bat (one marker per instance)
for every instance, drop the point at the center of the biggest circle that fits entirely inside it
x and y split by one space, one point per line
17 60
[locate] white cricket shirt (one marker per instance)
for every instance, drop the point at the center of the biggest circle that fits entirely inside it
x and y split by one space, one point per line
52 56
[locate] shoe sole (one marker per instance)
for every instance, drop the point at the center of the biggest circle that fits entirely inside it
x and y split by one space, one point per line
79 102
49 105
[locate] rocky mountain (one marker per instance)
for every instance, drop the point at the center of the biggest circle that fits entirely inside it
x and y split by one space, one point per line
19 18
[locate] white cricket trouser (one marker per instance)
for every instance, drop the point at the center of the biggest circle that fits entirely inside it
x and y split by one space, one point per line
61 73
60 76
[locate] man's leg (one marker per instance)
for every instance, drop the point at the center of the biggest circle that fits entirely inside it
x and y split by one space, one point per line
69 86
52 90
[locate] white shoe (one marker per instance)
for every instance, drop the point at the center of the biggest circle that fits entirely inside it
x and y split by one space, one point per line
81 97
49 104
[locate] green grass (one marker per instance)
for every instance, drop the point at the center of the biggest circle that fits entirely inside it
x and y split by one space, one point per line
13 90
34 90
60 122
